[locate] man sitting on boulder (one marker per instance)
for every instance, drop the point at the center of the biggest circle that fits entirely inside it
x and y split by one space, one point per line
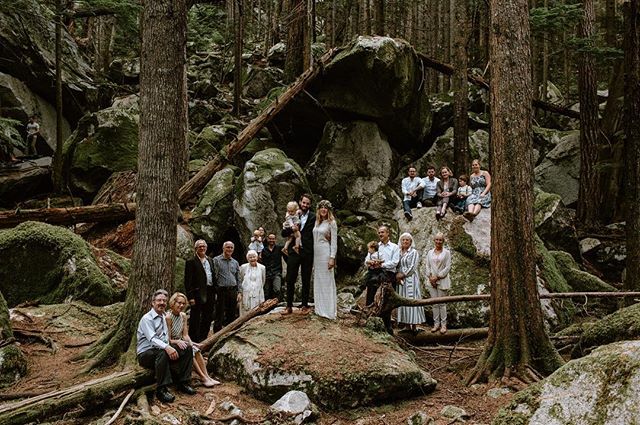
171 362
412 190
430 187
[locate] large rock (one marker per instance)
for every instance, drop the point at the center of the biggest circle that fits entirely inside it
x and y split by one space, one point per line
103 143
335 363
268 182
352 167
555 223
578 279
379 78
13 364
600 389
25 180
17 101
27 46
559 171
51 264
260 81
213 214
441 152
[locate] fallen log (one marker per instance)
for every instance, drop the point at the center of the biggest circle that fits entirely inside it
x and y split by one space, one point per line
452 335
447 69
200 180
72 215
90 393
263 308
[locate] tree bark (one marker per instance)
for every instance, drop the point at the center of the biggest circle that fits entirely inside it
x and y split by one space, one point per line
517 342
461 90
162 164
58 160
588 195
294 60
379 17
632 142
237 55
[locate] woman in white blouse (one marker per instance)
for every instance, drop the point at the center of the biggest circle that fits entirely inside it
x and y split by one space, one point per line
325 246
438 267
252 279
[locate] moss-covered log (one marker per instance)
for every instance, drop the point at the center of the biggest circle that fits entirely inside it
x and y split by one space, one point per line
72 215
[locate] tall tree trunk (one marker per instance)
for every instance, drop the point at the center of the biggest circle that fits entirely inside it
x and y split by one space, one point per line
58 180
545 63
379 14
588 205
632 141
461 89
238 19
102 41
293 64
333 23
307 56
518 343
162 164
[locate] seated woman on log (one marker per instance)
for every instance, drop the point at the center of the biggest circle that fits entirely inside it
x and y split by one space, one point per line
179 334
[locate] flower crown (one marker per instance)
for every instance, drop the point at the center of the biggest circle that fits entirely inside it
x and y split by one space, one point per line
326 204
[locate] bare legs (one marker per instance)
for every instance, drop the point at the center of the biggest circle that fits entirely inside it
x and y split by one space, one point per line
201 369
472 211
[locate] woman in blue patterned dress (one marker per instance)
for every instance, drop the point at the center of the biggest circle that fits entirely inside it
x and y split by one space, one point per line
409 282
480 197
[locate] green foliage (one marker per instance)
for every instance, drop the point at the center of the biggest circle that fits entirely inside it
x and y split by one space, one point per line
207 25
127 37
554 18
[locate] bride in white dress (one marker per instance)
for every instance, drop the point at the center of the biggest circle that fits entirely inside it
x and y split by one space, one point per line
325 246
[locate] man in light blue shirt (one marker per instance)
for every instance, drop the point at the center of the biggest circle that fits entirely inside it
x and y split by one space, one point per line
430 187
171 362
412 187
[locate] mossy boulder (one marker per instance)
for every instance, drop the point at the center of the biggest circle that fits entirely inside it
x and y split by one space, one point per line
268 182
353 235
555 223
441 152
337 364
13 363
352 167
579 280
103 143
599 389
51 264
559 171
260 81
379 78
213 214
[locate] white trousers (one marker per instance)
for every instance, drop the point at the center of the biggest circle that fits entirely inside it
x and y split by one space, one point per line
439 310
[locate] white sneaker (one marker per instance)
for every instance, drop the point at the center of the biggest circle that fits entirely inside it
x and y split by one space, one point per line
419 205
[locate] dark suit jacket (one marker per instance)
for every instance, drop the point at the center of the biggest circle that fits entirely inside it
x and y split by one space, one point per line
306 235
195 280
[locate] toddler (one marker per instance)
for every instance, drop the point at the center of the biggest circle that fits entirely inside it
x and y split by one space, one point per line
256 242
292 218
464 190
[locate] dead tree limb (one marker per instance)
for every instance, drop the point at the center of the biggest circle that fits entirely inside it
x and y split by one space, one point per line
263 308
200 180
72 215
447 69
92 393
452 335
124 402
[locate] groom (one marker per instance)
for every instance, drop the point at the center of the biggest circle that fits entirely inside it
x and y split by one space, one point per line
302 260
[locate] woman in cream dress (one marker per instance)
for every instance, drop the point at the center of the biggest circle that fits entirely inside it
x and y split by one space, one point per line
438 267
252 279
409 286
325 246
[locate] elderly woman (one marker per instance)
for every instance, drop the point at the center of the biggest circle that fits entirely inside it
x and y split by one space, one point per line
409 282
480 197
438 267
446 189
252 278
179 335
325 247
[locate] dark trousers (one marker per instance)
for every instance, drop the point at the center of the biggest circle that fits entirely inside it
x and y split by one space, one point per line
168 371
429 201
305 263
273 287
201 315
412 203
226 307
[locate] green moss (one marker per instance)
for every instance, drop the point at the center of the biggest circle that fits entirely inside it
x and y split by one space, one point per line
460 240
214 213
50 263
579 280
13 365
624 324
544 203
5 322
525 402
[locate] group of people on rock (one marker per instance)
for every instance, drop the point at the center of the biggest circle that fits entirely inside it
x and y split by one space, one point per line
466 194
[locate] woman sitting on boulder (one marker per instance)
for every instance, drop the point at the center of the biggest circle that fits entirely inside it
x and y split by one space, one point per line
438 267
480 195
446 188
179 335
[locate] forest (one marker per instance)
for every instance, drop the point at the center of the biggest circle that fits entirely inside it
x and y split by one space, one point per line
138 137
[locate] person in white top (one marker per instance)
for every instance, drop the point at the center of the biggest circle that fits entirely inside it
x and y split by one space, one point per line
388 257
412 190
325 247
438 267
430 187
252 278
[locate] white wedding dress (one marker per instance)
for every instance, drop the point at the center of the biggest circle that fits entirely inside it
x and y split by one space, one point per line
325 246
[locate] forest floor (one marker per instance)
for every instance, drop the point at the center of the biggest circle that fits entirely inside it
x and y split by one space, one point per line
51 336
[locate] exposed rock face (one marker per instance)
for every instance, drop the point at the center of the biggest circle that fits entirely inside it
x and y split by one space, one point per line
24 181
560 170
27 45
379 78
50 263
214 213
600 389
261 80
104 142
269 180
554 223
441 152
579 280
264 357
13 363
352 166
17 101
